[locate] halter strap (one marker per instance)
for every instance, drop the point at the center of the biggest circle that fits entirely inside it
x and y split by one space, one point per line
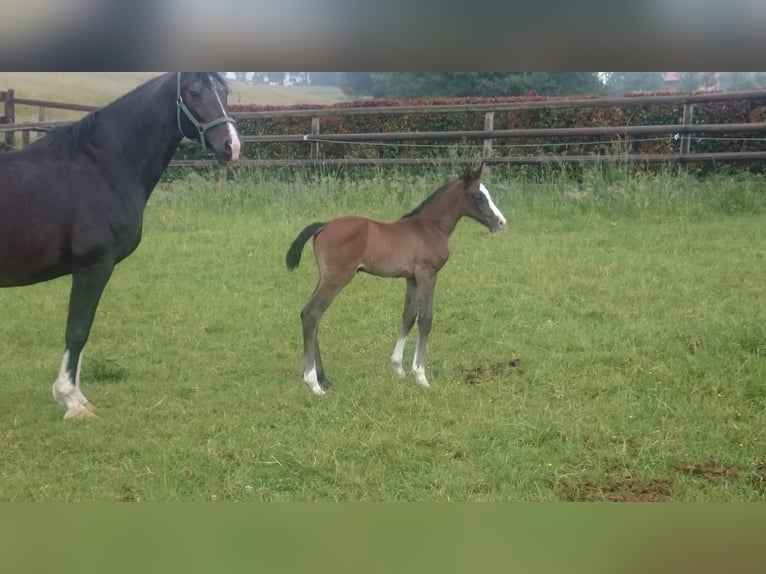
201 128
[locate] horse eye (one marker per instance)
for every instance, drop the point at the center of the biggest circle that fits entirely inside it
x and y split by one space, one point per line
477 197
193 94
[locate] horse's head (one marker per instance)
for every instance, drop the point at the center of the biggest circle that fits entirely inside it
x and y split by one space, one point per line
478 201
203 113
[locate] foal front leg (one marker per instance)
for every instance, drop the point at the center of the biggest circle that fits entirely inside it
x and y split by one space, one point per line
408 320
425 300
87 286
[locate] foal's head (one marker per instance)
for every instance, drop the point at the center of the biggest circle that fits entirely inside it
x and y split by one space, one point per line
478 204
206 115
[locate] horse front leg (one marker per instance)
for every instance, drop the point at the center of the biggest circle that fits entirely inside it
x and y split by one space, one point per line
425 299
408 320
87 286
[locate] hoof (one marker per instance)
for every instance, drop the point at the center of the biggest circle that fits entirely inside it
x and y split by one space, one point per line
80 412
420 378
398 371
325 383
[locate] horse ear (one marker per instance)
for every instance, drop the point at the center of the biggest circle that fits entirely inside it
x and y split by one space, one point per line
468 175
482 171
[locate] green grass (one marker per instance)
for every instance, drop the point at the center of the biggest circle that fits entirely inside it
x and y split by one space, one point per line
633 303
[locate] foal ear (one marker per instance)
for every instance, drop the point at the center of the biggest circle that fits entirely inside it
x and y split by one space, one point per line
470 174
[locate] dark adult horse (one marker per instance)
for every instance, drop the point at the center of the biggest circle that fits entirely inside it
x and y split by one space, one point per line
414 247
73 202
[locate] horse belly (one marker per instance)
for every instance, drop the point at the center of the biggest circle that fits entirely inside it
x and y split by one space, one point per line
29 258
387 253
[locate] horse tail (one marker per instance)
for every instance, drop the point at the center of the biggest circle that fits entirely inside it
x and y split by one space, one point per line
293 256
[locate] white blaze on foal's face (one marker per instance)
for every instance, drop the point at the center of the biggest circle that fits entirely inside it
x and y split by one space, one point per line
501 218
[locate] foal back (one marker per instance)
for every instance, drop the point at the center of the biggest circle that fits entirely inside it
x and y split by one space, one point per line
350 244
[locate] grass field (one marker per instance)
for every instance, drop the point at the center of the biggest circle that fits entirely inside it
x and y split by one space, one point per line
609 345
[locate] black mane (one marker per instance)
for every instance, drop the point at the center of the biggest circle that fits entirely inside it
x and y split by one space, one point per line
71 137
74 137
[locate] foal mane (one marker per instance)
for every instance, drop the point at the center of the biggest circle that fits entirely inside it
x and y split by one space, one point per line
429 199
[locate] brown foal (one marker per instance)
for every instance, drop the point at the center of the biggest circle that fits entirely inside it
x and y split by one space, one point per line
414 247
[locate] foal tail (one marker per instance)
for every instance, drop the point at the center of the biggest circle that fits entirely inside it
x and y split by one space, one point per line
293 256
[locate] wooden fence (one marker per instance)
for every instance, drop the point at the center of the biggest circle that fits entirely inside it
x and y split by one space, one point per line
685 129
8 119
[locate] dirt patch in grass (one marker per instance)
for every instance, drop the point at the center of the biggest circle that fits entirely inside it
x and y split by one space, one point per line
712 470
475 374
758 478
623 490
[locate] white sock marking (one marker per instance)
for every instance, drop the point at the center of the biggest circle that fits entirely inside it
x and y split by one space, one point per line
67 392
419 370
310 378
398 357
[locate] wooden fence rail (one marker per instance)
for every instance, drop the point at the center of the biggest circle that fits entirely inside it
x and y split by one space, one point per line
8 119
487 136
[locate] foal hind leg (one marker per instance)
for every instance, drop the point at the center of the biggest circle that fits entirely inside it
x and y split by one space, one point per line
408 320
425 299
313 370
87 286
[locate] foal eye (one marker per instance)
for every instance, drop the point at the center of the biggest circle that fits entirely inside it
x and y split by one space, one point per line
193 94
477 197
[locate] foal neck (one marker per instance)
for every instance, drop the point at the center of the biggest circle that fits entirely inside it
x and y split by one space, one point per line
443 209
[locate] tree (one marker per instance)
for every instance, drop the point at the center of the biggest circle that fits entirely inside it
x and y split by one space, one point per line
461 84
742 80
355 84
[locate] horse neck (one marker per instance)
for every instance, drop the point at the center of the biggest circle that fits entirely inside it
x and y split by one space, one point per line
142 127
444 210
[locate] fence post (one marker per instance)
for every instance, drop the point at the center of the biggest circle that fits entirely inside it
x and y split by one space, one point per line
687 121
9 117
315 144
486 152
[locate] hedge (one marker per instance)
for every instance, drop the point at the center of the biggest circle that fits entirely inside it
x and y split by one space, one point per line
740 111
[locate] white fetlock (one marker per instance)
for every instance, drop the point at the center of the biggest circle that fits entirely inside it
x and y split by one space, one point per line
398 370
311 380
76 405
420 377
397 357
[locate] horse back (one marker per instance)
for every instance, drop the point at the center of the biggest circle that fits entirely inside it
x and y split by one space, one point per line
396 249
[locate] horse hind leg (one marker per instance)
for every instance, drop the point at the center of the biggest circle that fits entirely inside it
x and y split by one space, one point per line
324 382
87 286
408 320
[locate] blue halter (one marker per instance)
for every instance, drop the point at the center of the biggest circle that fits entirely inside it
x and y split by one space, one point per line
202 128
